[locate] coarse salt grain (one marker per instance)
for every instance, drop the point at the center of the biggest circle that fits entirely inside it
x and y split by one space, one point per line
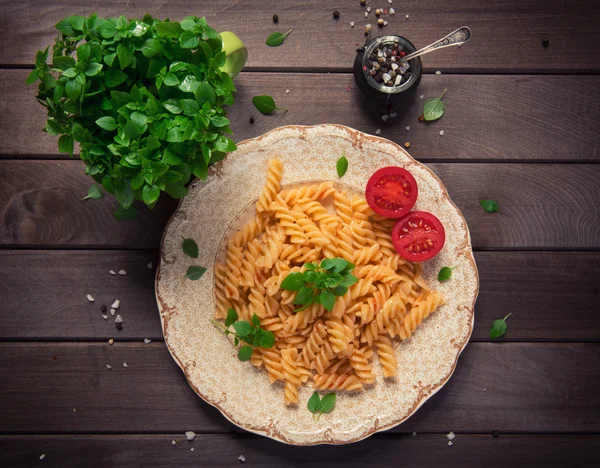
385 23
384 117
398 80
366 14
111 342
90 298
112 272
116 304
438 72
190 435
192 449
125 365
414 434
392 11
407 17
386 77
368 9
378 131
118 319
147 341
450 435
287 91
149 264
390 2
407 128
122 272
242 458
442 132
393 114
394 66
42 456
421 96
105 317
351 24
112 312
173 442
108 366
450 444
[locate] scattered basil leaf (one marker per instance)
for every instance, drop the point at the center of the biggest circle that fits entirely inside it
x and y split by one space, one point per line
328 402
232 317
327 299
195 272
94 193
242 328
293 282
190 248
276 39
444 274
489 206
245 353
314 403
265 104
499 327
433 108
342 166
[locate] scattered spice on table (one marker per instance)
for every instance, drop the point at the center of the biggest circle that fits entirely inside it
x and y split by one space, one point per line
112 312
392 11
442 132
119 326
336 14
116 304
450 435
275 19
366 14
42 456
384 117
407 16
108 366
103 308
119 319
450 444
384 65
378 131
105 317
351 24
190 435
149 265
90 298
421 118
192 449
546 42
251 120
367 29
242 458
122 272
363 2
369 9
407 128
407 144
147 341
287 91
380 22
438 72
377 12
111 342
125 365
112 272
393 115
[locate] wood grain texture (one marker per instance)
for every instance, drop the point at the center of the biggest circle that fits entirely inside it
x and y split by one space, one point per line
553 296
487 117
542 206
423 450
506 35
509 387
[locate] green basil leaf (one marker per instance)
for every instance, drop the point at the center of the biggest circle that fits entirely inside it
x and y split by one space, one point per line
219 121
444 274
195 272
489 206
93 68
189 40
125 214
150 194
65 27
305 296
94 192
125 54
314 403
232 317
172 106
137 181
169 29
255 320
107 123
293 282
242 328
139 119
53 127
190 248
267 339
339 264
114 78
188 23
341 166
64 62
327 299
32 77
348 281
73 89
499 327
340 290
170 158
245 353
204 93
200 169
310 276
276 39
152 48
132 130
433 108
328 402
171 79
77 22
176 191
83 52
65 145
265 104
123 192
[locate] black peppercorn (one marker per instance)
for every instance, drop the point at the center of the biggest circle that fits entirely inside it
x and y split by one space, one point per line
546 42
336 14
275 19
103 309
119 326
251 120
495 434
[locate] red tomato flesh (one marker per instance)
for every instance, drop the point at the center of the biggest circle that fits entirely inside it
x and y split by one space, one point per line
418 236
391 192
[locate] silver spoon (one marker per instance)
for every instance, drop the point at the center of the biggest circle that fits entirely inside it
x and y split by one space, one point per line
455 38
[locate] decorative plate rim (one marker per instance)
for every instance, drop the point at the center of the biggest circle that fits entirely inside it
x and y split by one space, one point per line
422 398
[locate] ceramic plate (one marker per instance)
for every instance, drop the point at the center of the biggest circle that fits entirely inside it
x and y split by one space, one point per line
216 207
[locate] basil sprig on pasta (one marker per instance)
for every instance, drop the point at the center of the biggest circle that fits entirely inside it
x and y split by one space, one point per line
320 283
250 333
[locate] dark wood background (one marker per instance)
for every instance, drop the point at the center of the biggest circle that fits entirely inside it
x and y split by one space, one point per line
521 126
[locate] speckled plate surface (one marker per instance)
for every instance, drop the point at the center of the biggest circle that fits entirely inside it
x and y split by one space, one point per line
216 207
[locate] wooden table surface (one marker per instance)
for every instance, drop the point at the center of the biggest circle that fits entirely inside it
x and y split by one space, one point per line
521 126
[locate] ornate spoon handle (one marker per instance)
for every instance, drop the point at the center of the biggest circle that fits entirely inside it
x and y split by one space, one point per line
455 38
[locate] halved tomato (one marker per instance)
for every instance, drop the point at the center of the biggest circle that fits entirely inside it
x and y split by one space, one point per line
392 192
418 236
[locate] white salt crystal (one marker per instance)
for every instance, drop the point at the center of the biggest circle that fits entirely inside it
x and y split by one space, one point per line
390 2
450 435
369 9
394 66
173 442
366 14
386 77
242 458
112 272
119 319
351 24
385 117
378 131
147 341
112 312
406 16
438 72
398 80
407 128
42 456
192 449
105 317
421 96
108 366
393 114
414 434
385 23
442 132
122 272
287 91
90 298
149 264
190 435
392 11
116 304
450 443
125 365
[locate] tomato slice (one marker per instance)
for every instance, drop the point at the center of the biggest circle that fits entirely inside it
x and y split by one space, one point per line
418 236
392 192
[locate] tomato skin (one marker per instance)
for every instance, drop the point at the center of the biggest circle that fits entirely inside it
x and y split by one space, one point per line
391 192
418 236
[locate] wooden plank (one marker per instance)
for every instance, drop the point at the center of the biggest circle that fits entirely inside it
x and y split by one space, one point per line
553 296
510 387
487 117
215 450
506 36
542 206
